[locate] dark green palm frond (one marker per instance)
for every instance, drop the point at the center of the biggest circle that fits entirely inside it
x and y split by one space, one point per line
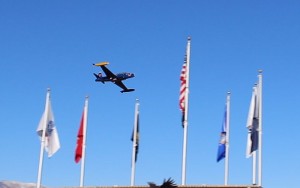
168 184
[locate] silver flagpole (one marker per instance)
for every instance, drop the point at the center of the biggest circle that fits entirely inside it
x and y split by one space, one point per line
254 164
260 129
132 180
45 116
85 113
185 123
227 138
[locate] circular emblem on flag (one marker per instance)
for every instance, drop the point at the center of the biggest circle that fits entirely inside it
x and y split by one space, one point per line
223 138
50 127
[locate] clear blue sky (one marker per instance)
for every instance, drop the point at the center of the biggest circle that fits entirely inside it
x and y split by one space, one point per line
54 44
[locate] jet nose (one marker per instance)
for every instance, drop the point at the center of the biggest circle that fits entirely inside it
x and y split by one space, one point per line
132 75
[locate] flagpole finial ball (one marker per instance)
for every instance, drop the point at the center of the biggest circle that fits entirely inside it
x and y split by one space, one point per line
228 92
48 89
189 38
260 71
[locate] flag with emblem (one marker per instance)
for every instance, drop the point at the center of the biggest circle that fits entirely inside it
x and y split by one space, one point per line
253 123
137 138
52 143
222 142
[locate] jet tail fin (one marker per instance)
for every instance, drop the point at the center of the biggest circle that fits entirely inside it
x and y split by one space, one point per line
98 78
96 75
127 90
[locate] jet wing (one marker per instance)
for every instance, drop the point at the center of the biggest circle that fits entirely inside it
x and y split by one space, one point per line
108 73
121 85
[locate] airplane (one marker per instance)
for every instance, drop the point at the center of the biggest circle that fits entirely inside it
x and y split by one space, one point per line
111 77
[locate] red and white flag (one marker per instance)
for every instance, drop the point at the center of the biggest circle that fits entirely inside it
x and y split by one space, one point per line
182 86
182 89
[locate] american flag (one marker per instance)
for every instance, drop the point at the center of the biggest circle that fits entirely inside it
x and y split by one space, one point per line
182 89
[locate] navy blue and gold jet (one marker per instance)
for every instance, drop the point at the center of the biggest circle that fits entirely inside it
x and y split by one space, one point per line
111 77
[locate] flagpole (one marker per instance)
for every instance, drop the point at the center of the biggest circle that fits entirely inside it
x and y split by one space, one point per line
260 129
254 164
132 180
185 123
227 139
45 115
84 141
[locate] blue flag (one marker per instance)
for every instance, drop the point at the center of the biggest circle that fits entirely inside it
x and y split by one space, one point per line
137 140
222 142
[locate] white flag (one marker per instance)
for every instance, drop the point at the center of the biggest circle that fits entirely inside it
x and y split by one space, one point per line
51 137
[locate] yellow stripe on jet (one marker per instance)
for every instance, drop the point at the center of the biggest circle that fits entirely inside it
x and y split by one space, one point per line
101 64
